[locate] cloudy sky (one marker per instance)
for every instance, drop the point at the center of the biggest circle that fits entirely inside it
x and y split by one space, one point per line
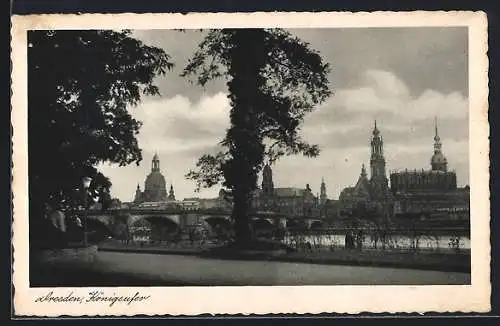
402 77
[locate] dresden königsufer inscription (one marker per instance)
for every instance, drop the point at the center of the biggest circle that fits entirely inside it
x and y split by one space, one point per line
250 163
93 296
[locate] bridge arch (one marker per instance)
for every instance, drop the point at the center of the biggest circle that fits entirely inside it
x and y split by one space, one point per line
156 228
220 226
150 217
263 223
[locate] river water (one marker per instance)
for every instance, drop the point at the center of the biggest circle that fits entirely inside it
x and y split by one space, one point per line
395 242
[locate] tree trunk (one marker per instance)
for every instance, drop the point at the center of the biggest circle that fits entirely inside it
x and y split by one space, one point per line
243 228
243 139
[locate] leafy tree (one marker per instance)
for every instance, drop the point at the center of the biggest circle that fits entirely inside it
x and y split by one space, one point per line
273 80
80 86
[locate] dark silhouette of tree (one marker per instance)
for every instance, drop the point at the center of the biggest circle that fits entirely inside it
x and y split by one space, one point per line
80 86
273 80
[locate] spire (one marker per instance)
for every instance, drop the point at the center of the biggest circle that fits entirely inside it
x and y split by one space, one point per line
438 160
376 132
436 135
437 139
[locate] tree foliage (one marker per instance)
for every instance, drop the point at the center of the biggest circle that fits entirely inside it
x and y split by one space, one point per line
80 87
273 80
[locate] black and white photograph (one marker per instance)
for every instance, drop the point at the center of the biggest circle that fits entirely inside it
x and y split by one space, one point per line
253 156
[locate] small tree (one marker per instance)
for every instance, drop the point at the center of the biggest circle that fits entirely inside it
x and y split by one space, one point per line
273 81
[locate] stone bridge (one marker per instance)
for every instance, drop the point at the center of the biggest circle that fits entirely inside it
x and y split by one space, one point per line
113 220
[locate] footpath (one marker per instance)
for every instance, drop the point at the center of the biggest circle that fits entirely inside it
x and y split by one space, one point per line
445 261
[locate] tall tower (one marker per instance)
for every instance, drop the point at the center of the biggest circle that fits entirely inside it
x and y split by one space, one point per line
138 194
377 163
155 164
322 196
267 180
438 160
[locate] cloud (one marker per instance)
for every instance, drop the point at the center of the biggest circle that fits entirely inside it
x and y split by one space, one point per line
425 57
181 130
386 84
402 77
176 124
342 127
383 96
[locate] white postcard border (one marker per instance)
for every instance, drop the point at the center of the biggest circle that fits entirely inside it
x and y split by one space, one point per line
264 299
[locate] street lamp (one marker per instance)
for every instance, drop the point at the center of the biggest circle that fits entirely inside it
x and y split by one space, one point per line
86 184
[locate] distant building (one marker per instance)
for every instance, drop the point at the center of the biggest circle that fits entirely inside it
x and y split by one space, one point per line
331 209
155 189
291 201
430 193
220 203
424 194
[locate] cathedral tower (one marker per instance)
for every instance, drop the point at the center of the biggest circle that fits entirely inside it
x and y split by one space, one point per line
267 180
138 194
377 162
438 160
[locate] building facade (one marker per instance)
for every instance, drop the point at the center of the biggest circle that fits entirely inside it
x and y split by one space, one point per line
430 193
294 202
412 193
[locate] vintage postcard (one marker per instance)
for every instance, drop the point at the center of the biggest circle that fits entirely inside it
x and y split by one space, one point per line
250 163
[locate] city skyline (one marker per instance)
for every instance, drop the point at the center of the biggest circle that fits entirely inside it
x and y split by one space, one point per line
372 78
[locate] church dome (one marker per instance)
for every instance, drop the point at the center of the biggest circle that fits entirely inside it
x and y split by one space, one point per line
155 180
155 187
439 162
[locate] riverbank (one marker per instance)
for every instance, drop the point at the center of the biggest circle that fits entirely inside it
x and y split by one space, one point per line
425 260
128 269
